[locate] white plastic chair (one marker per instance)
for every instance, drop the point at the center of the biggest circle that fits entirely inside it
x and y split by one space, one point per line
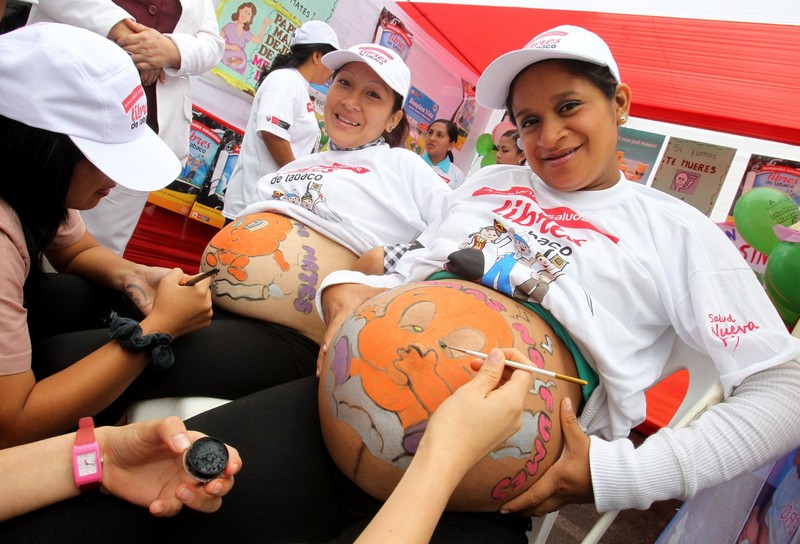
704 390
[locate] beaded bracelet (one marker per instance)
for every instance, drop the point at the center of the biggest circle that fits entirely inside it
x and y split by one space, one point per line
129 334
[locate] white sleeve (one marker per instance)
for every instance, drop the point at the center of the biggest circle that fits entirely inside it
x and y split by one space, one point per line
757 424
99 16
350 276
276 108
202 50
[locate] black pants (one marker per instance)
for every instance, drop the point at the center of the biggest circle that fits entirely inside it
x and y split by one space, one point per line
233 357
289 490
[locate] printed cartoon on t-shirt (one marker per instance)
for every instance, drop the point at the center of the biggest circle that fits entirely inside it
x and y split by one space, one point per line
504 259
303 187
504 239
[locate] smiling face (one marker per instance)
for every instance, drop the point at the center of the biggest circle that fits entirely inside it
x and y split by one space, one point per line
437 143
568 128
358 106
87 186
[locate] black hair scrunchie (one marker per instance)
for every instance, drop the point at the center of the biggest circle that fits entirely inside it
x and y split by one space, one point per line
129 334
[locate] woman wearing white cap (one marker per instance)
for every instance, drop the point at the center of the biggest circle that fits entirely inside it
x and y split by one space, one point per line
169 41
282 125
318 213
625 269
72 117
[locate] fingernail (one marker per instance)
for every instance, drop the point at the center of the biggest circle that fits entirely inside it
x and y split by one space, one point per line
502 511
181 441
156 509
185 495
495 357
568 403
214 488
317 372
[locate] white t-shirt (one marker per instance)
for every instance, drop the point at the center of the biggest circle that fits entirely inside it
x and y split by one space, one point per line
448 171
282 106
626 269
622 269
361 198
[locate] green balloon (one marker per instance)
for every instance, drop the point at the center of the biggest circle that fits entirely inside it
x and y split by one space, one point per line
489 158
758 210
789 317
484 144
782 274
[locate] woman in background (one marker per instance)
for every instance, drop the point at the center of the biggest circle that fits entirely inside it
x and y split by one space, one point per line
442 136
508 152
282 125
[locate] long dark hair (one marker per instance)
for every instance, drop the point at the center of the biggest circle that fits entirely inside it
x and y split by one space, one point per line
38 167
397 137
452 133
599 76
296 56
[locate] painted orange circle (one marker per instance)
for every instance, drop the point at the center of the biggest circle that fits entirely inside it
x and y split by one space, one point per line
386 373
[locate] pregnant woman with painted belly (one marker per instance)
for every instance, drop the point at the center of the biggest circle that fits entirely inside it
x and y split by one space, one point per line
318 213
386 372
270 268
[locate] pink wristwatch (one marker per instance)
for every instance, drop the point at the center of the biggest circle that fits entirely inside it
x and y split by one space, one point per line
87 465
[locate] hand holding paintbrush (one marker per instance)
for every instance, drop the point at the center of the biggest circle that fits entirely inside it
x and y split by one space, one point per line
513 364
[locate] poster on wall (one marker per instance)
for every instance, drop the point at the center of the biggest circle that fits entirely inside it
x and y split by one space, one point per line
209 203
391 32
694 172
208 137
464 115
421 111
764 171
257 31
317 93
763 506
637 152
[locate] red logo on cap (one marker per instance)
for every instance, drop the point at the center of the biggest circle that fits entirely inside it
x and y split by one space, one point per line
132 98
548 40
380 56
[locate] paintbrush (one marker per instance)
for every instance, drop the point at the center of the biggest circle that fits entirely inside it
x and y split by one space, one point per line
520 366
200 277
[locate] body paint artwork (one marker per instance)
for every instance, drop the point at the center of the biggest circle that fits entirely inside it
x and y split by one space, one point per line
386 373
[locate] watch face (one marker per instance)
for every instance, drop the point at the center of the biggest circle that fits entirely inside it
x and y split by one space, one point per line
87 464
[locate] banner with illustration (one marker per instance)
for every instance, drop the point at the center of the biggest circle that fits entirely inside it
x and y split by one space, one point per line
391 32
764 171
421 111
464 115
257 31
694 172
637 152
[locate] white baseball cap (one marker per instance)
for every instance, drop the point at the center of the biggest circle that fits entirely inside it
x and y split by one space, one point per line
72 81
384 61
315 32
561 42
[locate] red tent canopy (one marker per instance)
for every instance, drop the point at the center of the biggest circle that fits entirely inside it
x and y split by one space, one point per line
734 77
